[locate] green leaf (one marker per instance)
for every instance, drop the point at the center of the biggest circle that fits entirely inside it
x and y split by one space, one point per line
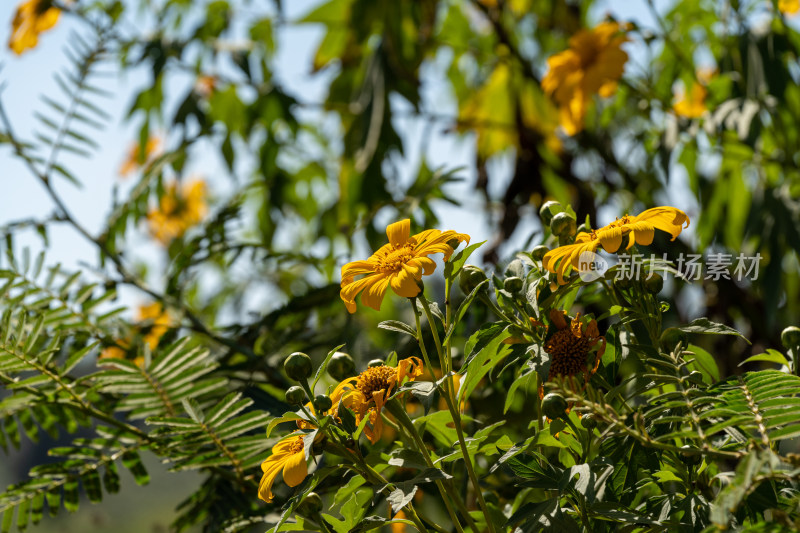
324 365
704 325
401 327
771 356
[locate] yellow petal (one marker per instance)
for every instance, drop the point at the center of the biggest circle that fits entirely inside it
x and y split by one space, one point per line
399 232
404 283
373 294
295 469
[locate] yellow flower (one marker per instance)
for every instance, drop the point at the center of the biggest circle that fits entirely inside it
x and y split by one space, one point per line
692 105
400 264
592 65
153 321
367 393
31 18
288 455
789 7
133 161
179 209
639 229
570 345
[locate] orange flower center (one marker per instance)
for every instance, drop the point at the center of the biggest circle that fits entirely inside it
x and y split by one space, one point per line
394 260
297 446
617 223
568 353
374 379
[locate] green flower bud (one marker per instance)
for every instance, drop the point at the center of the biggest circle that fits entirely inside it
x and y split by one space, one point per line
295 395
298 366
563 225
341 366
691 455
547 211
322 403
376 362
654 283
311 504
790 337
554 406
513 284
589 421
670 338
539 252
469 278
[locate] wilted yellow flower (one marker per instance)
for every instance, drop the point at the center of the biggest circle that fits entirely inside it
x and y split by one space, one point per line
593 64
288 455
692 105
179 209
31 18
400 264
639 229
789 7
367 393
133 161
153 321
570 346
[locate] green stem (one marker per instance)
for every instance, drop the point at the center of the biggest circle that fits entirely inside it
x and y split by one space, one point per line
402 417
465 453
456 415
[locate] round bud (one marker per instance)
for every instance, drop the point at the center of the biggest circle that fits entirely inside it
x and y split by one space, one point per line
341 366
563 225
298 366
513 284
654 283
695 377
469 278
691 455
322 403
589 421
539 252
554 406
790 337
490 497
295 395
670 338
375 362
623 283
547 211
311 504
583 228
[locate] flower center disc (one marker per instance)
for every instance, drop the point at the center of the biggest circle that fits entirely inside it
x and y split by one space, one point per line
568 353
394 260
297 445
374 379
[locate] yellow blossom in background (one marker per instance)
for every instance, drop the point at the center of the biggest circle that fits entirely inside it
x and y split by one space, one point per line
398 264
180 208
31 18
399 527
153 321
788 7
691 105
367 393
639 229
133 161
288 455
205 85
593 64
570 346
